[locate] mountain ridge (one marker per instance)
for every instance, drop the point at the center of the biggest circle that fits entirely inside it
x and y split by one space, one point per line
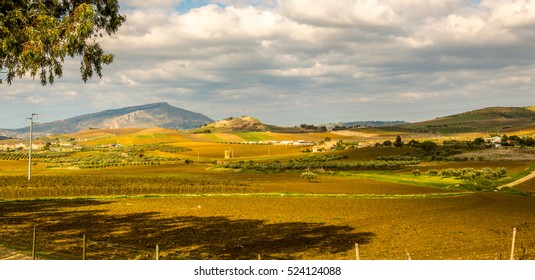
159 114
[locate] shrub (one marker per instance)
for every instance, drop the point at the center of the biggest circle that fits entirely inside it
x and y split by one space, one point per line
501 171
468 176
432 172
308 175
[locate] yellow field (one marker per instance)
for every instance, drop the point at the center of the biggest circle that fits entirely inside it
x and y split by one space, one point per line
13 165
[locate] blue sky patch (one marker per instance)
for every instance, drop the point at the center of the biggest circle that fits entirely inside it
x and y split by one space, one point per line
188 5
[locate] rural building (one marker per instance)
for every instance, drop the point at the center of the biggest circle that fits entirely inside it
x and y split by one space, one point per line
494 140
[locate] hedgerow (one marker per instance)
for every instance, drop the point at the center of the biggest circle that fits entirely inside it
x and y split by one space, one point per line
470 173
326 165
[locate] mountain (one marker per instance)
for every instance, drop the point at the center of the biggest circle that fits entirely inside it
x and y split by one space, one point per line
150 115
491 120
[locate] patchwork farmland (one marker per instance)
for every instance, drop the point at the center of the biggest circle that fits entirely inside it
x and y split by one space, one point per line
128 190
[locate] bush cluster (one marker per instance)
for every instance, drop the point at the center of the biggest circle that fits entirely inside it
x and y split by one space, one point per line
24 155
321 158
470 173
327 165
108 159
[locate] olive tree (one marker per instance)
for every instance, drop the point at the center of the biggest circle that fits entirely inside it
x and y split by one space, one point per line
308 175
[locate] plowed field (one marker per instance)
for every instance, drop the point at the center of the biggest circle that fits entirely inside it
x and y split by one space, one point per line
469 226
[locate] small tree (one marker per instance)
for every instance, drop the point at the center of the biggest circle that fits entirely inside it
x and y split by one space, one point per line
428 146
398 143
309 175
479 141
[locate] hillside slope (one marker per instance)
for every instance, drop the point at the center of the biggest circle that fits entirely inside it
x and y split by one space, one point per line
491 120
242 124
246 124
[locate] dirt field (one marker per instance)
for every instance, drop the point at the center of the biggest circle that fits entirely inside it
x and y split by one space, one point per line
528 186
10 254
472 226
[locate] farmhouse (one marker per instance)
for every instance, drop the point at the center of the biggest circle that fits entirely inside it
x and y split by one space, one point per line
494 140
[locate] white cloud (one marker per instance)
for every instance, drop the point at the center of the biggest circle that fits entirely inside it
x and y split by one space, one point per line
413 96
70 95
513 80
339 13
322 57
516 13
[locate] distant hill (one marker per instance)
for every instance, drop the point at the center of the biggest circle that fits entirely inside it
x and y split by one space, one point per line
491 120
241 124
250 124
144 116
502 112
244 124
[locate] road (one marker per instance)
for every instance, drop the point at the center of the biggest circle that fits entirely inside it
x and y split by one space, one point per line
519 181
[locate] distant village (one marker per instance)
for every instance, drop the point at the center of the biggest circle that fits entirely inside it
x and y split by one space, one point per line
39 144
45 143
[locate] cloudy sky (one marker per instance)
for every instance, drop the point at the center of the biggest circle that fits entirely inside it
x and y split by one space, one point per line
289 62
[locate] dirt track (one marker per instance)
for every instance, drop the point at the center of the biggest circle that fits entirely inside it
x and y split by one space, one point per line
8 254
519 181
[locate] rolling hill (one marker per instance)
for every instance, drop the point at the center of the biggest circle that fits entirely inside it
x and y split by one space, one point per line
491 120
232 124
144 116
248 124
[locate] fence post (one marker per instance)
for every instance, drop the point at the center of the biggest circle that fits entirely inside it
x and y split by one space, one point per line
84 247
357 251
33 244
157 252
513 244
408 256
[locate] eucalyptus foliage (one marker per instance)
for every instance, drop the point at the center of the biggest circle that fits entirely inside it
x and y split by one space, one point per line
36 36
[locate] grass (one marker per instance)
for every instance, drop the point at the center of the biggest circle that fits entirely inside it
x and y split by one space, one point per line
419 180
255 136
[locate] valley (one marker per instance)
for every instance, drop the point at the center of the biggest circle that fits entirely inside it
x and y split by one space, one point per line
238 191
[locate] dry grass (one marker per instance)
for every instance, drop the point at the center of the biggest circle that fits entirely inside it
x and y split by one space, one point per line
512 166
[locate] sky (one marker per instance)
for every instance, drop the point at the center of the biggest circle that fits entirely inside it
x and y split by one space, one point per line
289 62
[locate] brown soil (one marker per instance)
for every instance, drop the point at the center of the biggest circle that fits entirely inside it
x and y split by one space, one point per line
473 226
9 254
